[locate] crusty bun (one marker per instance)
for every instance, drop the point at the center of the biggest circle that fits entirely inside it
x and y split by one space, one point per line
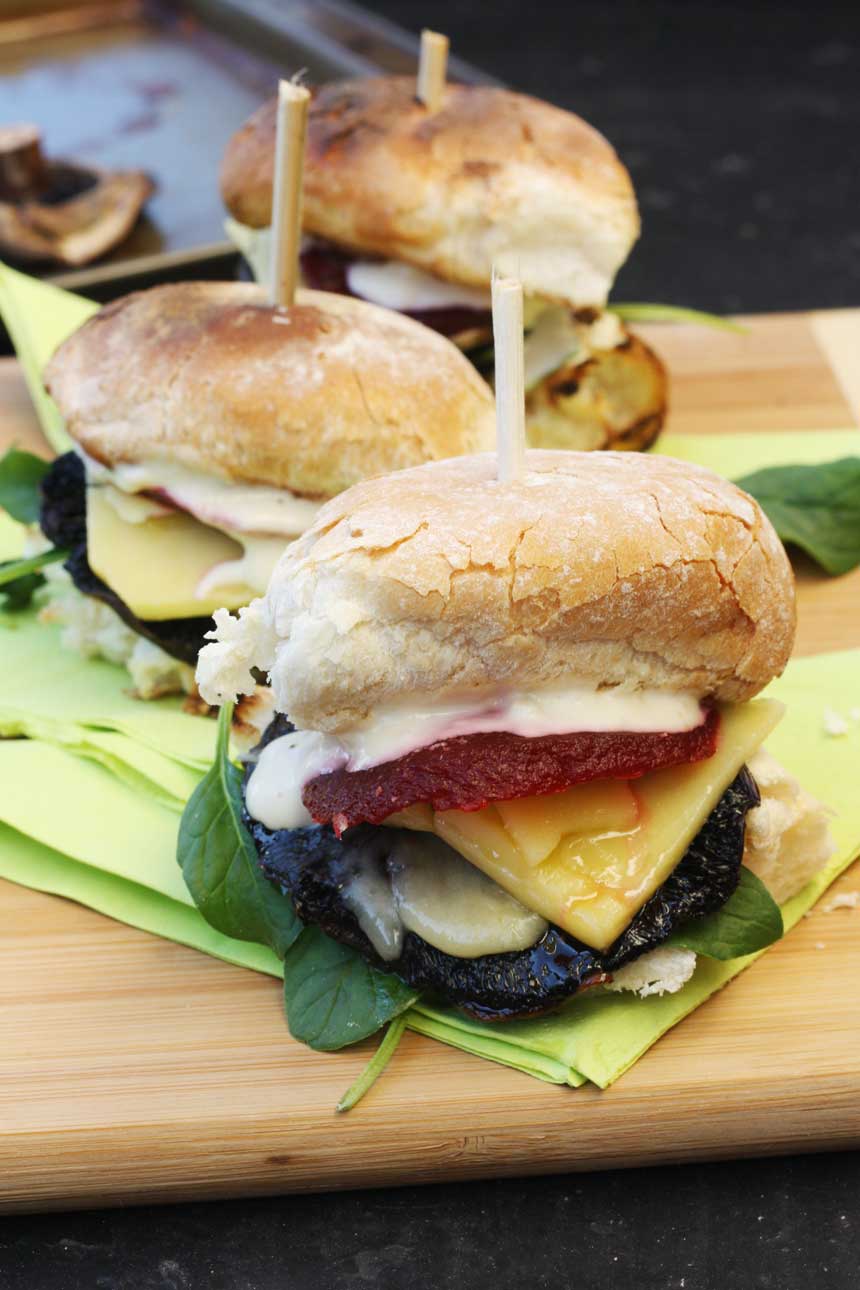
607 568
788 836
607 397
493 177
310 399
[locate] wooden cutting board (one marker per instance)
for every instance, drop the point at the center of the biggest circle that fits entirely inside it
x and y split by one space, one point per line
132 1069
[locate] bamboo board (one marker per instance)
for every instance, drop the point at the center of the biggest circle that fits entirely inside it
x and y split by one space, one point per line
133 1069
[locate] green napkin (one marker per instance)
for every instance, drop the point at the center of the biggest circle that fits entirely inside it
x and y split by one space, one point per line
32 864
142 768
38 317
734 455
41 682
108 844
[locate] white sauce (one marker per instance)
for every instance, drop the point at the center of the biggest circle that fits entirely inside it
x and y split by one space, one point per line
134 510
552 710
409 290
234 508
288 763
252 569
274 791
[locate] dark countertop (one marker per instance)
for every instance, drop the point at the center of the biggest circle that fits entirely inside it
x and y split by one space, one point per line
764 1225
740 125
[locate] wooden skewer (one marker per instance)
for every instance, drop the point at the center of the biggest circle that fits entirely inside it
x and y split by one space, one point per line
510 381
287 196
432 66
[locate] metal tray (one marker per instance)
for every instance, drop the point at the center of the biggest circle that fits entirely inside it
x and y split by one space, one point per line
162 86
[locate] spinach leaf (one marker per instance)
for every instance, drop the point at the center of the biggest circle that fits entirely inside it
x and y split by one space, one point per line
750 920
18 593
21 579
13 570
219 860
375 1066
333 998
815 507
672 313
20 476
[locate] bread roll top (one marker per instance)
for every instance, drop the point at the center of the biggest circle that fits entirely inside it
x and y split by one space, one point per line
492 177
310 399
604 569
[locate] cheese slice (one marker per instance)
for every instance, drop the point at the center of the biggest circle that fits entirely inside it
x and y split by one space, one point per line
588 859
156 566
538 824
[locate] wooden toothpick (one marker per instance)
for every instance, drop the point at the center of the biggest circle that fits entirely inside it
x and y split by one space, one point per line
287 195
510 382
432 66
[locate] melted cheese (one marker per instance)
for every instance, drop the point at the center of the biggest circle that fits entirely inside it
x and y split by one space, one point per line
614 849
416 883
452 905
156 566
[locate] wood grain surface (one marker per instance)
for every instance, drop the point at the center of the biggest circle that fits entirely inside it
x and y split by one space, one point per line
133 1069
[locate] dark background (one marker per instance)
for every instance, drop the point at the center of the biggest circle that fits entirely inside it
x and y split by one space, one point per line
741 127
739 123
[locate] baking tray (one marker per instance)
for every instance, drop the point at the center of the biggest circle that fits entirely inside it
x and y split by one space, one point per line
161 87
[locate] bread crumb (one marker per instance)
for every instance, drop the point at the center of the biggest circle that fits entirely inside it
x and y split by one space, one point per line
834 724
844 900
819 945
661 971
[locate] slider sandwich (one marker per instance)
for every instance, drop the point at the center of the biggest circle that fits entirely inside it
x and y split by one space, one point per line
517 750
209 427
410 209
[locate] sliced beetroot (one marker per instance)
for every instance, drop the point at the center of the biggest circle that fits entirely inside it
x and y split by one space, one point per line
324 267
469 771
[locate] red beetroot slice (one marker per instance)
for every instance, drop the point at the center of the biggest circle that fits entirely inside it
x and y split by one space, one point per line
467 772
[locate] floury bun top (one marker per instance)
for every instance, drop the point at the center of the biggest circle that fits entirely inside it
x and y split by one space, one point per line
210 376
605 569
491 178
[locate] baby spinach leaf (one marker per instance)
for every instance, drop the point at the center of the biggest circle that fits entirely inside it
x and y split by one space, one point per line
815 507
12 571
750 920
333 998
20 476
18 593
374 1068
219 860
672 313
21 579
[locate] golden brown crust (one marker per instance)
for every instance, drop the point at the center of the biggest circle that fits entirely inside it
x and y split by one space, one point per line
310 399
610 568
614 398
492 177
